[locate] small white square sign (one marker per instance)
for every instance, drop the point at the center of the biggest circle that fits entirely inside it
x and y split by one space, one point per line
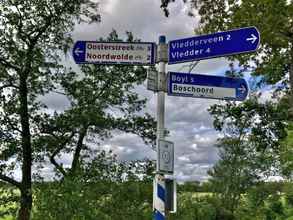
166 156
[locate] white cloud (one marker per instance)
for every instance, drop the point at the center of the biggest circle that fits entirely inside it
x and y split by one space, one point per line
194 146
184 159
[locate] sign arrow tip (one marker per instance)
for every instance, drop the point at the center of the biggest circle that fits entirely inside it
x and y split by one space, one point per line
253 38
242 89
77 51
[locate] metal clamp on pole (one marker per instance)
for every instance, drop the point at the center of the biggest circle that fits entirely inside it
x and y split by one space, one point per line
162 82
152 80
162 55
156 81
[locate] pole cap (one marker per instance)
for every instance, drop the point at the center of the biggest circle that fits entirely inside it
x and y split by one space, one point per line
162 39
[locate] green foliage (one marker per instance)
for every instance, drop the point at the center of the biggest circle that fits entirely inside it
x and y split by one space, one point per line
264 124
192 186
132 199
194 208
8 201
287 153
74 199
288 194
164 6
249 149
266 200
200 207
102 188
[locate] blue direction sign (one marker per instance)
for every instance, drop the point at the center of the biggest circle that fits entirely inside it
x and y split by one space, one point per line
114 53
207 86
214 45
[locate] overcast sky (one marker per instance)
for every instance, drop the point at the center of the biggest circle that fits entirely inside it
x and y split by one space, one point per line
187 119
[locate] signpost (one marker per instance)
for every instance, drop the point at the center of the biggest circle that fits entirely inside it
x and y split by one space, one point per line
87 52
219 44
207 86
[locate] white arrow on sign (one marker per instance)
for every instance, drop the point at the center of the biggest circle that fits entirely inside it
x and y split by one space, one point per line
253 38
242 89
77 51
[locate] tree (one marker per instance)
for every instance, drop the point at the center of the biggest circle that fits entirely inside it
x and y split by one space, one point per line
234 173
190 186
165 3
287 154
33 37
274 19
102 100
273 59
250 148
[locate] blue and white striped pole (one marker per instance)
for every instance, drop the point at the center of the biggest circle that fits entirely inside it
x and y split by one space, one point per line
159 183
159 197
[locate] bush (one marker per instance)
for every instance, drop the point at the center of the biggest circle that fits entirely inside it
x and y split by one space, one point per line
77 200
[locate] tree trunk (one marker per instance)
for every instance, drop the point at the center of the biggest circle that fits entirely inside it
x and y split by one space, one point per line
290 110
76 157
25 204
26 183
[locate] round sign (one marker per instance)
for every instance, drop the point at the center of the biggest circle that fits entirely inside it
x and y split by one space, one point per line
166 156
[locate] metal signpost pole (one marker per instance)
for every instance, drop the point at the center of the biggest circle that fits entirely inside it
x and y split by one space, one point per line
159 186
